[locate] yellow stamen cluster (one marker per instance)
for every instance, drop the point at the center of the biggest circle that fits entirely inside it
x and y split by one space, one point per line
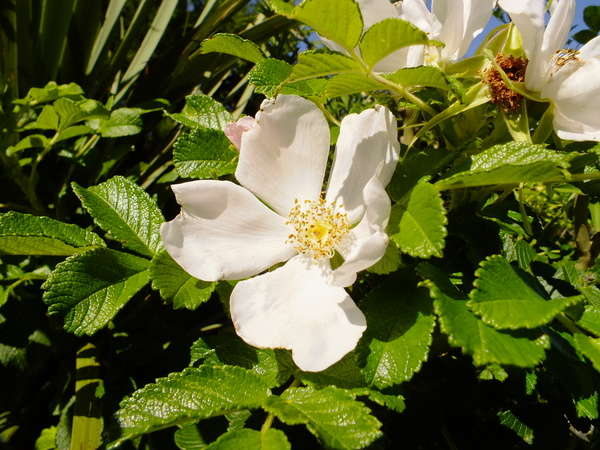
318 226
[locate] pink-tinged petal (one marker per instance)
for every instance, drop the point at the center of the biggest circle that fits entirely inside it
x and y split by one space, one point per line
366 242
293 307
234 130
223 232
284 156
367 146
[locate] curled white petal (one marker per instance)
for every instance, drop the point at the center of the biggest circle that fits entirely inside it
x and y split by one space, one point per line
223 232
293 307
367 241
283 157
367 146
575 96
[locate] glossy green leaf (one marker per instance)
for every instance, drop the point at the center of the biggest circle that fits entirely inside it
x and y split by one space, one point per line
486 344
269 75
509 420
390 262
251 440
24 234
176 285
204 153
189 396
315 65
188 437
507 297
122 122
387 36
590 347
590 319
350 83
512 163
234 45
226 348
399 328
345 30
126 212
424 76
90 288
331 414
202 111
418 225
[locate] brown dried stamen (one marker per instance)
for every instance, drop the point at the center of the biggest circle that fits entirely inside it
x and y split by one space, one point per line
514 68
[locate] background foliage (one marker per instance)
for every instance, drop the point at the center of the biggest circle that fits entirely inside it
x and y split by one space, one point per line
483 317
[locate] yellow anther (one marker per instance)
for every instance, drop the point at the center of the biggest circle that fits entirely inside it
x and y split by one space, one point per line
317 226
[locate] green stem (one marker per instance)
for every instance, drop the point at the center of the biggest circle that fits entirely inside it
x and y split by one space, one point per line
267 424
524 216
568 323
395 87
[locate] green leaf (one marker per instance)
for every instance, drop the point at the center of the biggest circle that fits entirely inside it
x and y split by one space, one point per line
591 17
590 347
204 153
418 225
92 287
394 402
251 440
234 45
202 111
24 234
486 344
227 348
31 141
590 319
189 438
268 76
345 373
315 65
424 76
176 285
512 163
345 30
331 414
47 120
507 297
126 212
387 36
509 420
68 112
350 83
47 439
122 122
398 336
189 396
390 262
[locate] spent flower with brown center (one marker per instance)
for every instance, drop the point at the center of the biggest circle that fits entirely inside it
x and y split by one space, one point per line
514 68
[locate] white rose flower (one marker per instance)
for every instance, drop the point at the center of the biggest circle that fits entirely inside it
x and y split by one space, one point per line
225 232
568 78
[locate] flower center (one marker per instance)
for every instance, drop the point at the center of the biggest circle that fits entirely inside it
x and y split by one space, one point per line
317 227
514 68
